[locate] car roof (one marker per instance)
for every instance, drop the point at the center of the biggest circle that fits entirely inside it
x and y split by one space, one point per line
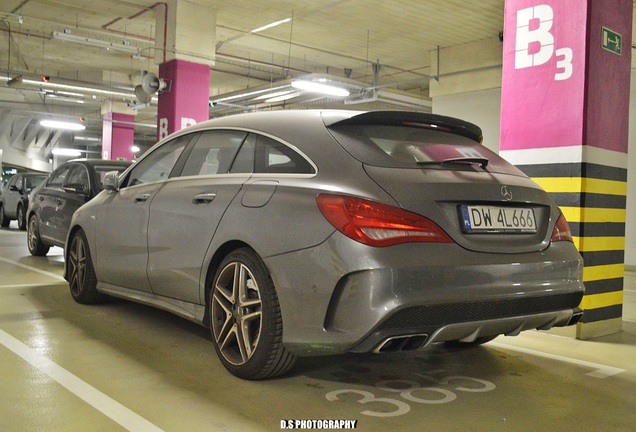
101 162
257 117
273 120
31 174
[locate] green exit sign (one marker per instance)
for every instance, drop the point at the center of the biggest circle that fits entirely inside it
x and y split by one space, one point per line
612 41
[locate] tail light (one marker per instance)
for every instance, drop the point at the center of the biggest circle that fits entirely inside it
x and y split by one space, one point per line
377 224
561 231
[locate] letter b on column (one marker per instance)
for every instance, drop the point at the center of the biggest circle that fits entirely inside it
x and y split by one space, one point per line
525 36
163 128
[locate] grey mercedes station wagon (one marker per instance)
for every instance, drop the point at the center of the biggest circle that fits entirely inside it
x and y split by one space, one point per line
297 233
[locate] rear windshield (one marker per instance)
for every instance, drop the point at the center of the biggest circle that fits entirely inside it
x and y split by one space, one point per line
415 147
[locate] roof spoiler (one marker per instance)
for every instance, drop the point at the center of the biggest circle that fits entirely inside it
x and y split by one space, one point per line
414 119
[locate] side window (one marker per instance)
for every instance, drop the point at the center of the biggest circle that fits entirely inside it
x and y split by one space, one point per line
158 164
274 157
213 153
244 160
78 179
58 177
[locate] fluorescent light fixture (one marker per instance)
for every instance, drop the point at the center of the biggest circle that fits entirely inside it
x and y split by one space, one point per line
86 138
57 86
317 87
270 25
283 97
66 152
74 88
62 125
99 43
64 98
273 95
268 91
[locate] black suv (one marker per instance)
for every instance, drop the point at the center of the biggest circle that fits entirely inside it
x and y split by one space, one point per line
15 198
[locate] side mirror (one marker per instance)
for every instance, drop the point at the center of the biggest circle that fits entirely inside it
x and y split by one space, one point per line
111 181
14 188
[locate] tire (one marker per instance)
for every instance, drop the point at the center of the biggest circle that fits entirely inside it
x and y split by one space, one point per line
21 218
34 242
479 341
4 220
81 274
256 352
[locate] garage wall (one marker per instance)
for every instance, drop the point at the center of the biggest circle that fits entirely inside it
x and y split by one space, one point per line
484 109
481 107
630 226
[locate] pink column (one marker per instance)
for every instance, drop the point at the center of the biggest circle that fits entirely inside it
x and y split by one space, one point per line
185 101
118 136
564 121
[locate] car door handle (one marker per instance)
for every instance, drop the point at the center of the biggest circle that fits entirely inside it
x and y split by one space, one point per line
142 198
203 198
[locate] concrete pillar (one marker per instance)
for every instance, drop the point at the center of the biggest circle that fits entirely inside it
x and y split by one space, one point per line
186 39
564 121
187 102
118 131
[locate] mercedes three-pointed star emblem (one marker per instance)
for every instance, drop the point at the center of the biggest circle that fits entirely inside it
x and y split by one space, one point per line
506 193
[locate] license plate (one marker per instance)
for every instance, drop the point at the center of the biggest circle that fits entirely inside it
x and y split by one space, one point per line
498 219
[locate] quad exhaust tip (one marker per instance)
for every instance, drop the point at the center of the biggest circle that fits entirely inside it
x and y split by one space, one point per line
416 341
576 317
402 343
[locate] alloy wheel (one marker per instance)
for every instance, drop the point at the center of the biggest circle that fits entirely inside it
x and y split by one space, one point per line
21 219
77 266
236 313
32 234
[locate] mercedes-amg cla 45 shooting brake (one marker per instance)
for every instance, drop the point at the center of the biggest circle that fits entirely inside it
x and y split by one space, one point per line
296 233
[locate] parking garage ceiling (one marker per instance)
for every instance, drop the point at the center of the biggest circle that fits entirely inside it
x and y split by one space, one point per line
339 38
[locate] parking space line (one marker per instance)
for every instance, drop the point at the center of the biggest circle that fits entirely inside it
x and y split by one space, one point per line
33 269
600 371
98 400
30 285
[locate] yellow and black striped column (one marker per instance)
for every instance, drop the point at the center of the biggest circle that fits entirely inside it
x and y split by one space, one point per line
591 193
565 122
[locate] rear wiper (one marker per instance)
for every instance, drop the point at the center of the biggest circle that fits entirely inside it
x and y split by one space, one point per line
483 162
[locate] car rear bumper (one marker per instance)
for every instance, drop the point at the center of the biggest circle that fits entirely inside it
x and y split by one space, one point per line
419 334
342 296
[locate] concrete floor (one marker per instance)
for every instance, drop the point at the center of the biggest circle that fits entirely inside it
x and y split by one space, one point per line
122 366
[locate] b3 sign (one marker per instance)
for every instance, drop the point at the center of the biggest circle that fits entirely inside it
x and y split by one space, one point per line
543 80
534 25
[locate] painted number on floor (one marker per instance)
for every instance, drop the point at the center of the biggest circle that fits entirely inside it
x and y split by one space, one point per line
445 390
